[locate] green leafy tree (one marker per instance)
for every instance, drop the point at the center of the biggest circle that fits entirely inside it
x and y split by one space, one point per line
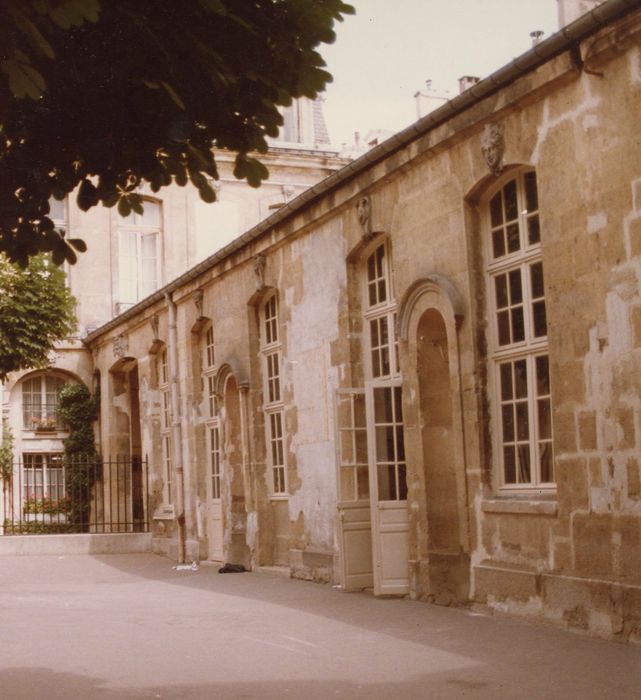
36 311
102 96
78 409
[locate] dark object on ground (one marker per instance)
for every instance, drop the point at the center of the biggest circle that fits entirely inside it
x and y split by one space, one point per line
232 569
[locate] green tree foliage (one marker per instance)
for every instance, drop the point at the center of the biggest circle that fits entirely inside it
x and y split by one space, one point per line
6 454
36 311
100 96
78 409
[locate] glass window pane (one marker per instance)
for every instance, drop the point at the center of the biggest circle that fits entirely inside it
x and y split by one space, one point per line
500 285
382 291
522 421
524 464
402 482
520 379
385 444
496 210
540 319
545 424
503 318
400 445
348 484
506 381
498 243
536 280
363 483
359 411
385 364
371 268
382 405
534 230
513 238
518 325
516 288
347 447
531 193
361 446
398 404
546 462
509 464
508 423
542 376
511 207
386 482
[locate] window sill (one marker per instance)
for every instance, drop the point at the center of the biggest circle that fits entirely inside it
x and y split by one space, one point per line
279 497
520 506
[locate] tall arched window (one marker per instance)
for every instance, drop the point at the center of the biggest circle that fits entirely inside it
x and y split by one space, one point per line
384 385
165 425
213 429
270 346
40 396
520 385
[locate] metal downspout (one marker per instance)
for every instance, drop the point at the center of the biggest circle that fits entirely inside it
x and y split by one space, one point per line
176 427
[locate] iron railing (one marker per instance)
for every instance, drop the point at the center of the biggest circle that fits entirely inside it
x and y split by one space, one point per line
52 494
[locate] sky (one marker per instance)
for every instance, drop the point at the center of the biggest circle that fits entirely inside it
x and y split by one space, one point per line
384 54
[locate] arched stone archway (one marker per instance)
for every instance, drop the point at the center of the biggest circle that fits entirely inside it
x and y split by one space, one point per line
429 317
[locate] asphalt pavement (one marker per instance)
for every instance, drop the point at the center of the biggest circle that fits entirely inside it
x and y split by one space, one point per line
132 626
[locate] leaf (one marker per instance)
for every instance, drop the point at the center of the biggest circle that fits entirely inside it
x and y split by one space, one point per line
124 208
207 192
214 6
78 244
87 195
172 93
24 79
29 28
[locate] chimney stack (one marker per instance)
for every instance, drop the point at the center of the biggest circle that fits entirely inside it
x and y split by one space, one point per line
465 82
536 36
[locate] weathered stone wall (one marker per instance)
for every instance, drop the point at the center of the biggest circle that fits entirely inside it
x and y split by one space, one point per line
571 554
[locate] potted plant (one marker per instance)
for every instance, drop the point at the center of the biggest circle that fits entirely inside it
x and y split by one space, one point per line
43 424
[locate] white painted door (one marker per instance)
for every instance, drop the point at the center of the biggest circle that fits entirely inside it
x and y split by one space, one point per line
214 504
354 511
388 488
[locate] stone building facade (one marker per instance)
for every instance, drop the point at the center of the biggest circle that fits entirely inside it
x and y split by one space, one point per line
422 375
130 258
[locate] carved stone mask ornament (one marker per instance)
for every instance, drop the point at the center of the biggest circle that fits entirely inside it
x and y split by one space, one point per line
493 147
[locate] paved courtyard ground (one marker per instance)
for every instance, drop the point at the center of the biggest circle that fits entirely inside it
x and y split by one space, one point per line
130 626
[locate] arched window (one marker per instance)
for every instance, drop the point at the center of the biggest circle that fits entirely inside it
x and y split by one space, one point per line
165 425
270 346
139 254
213 429
384 385
520 386
40 396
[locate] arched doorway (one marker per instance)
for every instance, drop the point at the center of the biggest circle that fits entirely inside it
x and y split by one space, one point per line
429 318
236 549
448 569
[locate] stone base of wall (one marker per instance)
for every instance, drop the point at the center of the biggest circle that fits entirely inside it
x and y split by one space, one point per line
168 547
309 565
596 606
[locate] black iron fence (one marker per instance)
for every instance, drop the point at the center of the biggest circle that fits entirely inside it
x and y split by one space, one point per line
52 494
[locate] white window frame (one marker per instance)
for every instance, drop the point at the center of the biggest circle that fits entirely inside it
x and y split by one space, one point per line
527 350
273 406
165 426
381 308
44 462
134 228
212 422
43 411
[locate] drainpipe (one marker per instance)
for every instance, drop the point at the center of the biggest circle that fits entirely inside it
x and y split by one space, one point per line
176 427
